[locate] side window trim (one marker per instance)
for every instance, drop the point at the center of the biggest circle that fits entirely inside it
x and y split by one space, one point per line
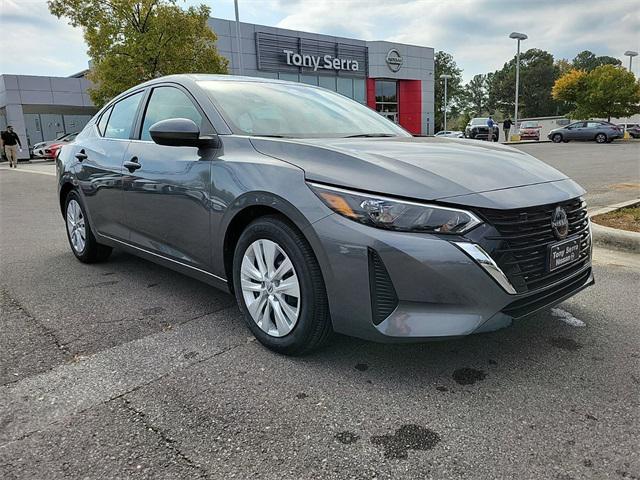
107 113
206 128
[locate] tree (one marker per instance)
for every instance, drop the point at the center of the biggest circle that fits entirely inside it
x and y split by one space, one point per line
607 91
131 41
445 64
537 76
587 61
476 95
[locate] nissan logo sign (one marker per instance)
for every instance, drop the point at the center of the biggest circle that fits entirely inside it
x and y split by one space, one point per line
394 60
560 223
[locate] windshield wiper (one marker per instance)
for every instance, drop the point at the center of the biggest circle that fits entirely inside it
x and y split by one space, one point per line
370 135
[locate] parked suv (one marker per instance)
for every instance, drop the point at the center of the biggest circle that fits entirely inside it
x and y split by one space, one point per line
477 128
319 214
600 131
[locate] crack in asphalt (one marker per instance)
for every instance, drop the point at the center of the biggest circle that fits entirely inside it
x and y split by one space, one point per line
122 395
169 442
48 332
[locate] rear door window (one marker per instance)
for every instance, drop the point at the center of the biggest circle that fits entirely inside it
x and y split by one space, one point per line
122 117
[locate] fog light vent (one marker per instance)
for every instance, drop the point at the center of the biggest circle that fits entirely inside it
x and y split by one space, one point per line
384 299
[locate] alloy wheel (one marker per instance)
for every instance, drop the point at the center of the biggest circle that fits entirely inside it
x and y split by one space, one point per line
270 287
557 138
601 138
76 226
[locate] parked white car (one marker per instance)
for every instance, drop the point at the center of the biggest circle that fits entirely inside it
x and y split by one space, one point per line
44 150
450 134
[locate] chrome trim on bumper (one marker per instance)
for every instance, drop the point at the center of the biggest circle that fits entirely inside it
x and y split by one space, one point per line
482 258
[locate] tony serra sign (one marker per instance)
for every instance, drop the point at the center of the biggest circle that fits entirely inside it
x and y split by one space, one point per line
315 61
283 53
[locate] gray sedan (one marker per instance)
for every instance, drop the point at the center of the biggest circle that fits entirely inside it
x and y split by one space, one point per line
319 214
600 131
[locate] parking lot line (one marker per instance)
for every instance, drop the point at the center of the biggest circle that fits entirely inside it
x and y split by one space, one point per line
28 170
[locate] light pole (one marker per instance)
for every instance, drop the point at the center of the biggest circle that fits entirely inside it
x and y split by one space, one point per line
519 37
238 42
445 77
630 54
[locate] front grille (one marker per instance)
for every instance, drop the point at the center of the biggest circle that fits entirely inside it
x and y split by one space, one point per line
522 237
550 296
384 299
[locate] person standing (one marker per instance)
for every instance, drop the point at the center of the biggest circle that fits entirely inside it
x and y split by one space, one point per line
506 126
490 124
11 142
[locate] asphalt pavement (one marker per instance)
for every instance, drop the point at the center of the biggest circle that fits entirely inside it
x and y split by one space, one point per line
609 172
128 370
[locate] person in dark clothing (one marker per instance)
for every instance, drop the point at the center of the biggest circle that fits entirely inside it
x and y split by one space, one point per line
11 142
506 126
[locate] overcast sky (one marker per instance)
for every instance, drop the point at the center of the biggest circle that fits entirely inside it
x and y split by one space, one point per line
475 32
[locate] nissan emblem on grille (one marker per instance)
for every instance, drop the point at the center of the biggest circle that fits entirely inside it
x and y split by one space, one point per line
560 223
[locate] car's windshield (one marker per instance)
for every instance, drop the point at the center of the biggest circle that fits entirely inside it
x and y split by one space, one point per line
289 110
529 125
479 121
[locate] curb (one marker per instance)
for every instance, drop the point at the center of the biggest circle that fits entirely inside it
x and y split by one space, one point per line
612 237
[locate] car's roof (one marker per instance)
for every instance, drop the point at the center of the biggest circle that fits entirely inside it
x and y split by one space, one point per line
202 77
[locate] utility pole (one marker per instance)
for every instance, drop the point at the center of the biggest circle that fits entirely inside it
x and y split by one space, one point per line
238 41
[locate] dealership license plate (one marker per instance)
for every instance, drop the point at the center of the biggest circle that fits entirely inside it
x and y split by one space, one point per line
563 253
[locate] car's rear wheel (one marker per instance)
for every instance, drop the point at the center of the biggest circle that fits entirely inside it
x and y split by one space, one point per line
601 138
279 287
83 244
556 138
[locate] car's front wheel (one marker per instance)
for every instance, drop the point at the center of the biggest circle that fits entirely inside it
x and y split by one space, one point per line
601 138
83 244
279 287
556 138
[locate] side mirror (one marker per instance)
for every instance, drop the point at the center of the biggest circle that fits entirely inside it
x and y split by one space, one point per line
181 132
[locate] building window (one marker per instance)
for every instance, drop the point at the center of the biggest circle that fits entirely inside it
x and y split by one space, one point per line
345 86
290 77
309 79
327 82
387 99
359 90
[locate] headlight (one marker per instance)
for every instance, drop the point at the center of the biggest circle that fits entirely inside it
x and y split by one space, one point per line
392 214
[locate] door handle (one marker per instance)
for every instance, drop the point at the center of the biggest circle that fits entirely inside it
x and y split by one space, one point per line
81 156
132 164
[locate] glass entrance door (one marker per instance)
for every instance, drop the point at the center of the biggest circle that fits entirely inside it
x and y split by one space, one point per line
387 99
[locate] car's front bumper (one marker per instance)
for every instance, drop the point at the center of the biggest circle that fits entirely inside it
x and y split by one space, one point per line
440 290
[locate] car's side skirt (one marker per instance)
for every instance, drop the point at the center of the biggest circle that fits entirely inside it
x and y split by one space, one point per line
189 270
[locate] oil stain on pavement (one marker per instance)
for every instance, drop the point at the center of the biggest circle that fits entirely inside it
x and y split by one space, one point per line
468 376
565 343
347 437
407 437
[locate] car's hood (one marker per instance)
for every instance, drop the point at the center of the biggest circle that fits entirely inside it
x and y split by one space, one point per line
422 168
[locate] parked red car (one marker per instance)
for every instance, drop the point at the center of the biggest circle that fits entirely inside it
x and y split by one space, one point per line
529 130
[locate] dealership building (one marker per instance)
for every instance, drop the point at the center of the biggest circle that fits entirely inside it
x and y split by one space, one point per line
395 79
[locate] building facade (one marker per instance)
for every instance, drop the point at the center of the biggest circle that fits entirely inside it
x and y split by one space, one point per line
43 108
395 79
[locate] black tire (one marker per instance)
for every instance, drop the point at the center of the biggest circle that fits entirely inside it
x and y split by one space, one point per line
556 138
601 138
313 327
93 251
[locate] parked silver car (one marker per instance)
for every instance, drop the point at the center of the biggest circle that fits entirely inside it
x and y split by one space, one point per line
319 214
449 134
600 131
